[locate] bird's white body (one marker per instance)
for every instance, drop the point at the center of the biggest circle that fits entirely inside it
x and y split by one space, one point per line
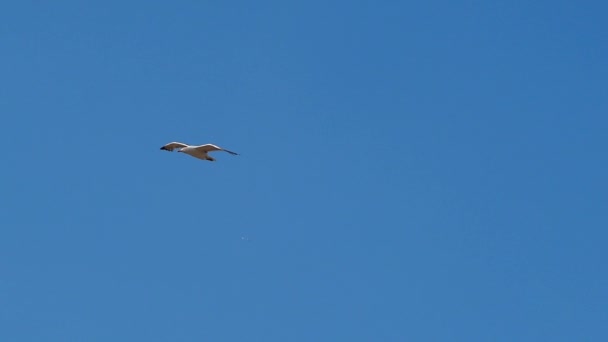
200 151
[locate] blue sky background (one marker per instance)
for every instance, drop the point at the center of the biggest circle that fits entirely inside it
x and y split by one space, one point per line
410 171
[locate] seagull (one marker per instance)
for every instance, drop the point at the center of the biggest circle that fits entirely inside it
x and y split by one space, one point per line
199 152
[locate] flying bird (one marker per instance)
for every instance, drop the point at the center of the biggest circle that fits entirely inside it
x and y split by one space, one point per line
200 152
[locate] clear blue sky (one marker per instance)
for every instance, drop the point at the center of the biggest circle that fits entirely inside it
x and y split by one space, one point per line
409 171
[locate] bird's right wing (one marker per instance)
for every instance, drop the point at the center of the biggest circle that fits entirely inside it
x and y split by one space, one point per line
173 145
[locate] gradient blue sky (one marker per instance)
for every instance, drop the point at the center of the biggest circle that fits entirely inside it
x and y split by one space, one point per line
410 171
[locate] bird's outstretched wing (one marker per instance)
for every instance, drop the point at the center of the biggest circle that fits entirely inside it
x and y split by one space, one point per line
210 147
173 145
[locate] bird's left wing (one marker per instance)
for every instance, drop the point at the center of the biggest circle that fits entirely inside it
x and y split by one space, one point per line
210 147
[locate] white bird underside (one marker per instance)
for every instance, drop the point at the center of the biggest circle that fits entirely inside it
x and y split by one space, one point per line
200 152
